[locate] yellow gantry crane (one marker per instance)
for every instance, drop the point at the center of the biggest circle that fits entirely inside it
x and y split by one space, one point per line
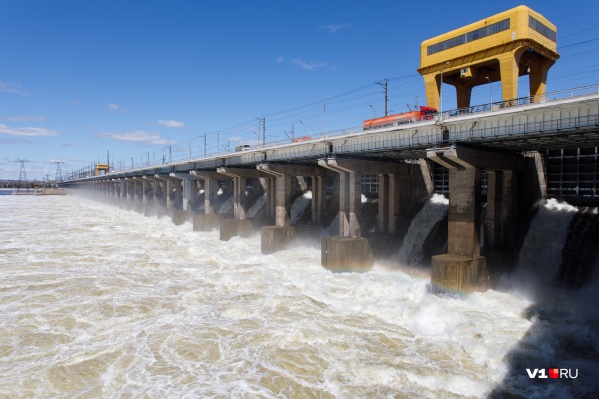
502 47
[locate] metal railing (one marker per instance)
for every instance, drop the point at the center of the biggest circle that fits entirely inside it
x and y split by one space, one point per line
187 152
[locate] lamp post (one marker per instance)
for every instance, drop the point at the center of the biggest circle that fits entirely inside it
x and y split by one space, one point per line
324 115
373 110
490 94
441 90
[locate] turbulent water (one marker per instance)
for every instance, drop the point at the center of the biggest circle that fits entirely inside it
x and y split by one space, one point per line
411 250
549 231
300 204
98 302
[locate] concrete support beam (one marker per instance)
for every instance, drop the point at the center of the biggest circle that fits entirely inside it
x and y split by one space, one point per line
350 197
239 200
464 212
463 264
350 251
427 176
122 190
282 188
238 226
455 157
271 203
130 195
146 190
318 198
282 235
539 165
350 189
239 177
188 193
210 188
172 188
283 206
385 222
151 192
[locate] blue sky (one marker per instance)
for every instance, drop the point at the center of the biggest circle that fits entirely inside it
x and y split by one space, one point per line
79 79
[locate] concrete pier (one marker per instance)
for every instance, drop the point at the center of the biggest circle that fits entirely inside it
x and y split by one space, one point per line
230 228
459 274
463 269
282 235
346 254
189 189
276 238
349 250
239 225
206 222
180 216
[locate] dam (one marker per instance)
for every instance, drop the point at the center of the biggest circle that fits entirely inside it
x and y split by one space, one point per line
494 161
494 164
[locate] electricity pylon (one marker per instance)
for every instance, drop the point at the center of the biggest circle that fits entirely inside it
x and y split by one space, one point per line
58 176
22 176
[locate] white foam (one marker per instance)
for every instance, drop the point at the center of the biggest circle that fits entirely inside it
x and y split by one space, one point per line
138 306
541 252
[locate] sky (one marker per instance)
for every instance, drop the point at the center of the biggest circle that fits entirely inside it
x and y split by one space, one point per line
141 81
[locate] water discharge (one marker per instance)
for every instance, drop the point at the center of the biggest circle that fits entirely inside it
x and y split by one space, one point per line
411 250
257 208
541 253
98 302
299 205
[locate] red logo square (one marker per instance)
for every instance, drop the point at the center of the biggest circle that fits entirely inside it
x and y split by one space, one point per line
553 373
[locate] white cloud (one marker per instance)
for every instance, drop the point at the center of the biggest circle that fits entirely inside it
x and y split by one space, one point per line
170 123
24 118
113 107
310 66
138 136
279 59
27 131
13 88
335 28
16 141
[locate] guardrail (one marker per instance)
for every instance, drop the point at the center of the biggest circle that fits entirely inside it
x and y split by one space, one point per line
184 152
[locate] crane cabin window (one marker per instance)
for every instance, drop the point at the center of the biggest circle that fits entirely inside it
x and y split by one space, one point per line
542 29
470 36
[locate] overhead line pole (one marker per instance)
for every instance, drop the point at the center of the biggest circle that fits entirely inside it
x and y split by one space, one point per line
385 86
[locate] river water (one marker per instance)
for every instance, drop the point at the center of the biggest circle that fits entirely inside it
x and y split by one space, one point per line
99 302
